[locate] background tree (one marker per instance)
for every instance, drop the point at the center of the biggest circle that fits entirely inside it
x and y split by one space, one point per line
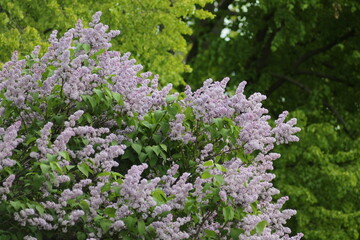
305 55
151 30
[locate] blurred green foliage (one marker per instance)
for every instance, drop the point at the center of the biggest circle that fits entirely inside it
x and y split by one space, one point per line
321 175
151 30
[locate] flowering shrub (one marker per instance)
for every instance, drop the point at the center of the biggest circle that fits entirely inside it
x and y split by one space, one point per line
92 149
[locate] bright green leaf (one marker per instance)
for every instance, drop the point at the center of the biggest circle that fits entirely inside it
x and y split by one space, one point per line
228 213
208 163
206 175
137 147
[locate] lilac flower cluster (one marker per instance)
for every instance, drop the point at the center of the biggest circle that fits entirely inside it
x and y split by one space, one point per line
102 160
169 229
210 102
9 140
137 191
78 71
178 131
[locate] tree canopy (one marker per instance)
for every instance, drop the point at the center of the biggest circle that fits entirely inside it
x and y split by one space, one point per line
153 31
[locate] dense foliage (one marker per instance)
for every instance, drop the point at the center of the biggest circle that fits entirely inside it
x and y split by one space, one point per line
92 149
304 55
153 30
323 182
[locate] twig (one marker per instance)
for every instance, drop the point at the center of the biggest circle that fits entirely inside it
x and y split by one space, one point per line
324 75
291 80
314 52
326 103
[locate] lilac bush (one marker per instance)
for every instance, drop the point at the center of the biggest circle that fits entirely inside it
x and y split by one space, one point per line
91 148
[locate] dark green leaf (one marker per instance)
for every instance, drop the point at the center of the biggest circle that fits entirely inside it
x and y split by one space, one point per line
110 212
235 232
105 224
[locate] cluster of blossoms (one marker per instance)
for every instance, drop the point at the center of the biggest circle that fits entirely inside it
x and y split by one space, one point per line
72 63
210 102
74 162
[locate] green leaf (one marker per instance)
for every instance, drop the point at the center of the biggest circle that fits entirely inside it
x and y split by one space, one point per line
69 167
152 162
239 213
164 147
142 157
208 163
85 169
189 114
108 92
173 110
220 167
106 187
235 232
104 174
159 115
40 209
156 149
118 98
51 157
130 222
259 228
206 175
159 196
254 207
65 155
148 150
56 167
94 56
210 233
147 124
105 224
110 212
228 213
137 147
224 132
88 118
30 140
99 93
157 138
90 100
16 205
59 119
141 227
84 205
219 123
171 98
86 47
80 235
44 168
218 180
